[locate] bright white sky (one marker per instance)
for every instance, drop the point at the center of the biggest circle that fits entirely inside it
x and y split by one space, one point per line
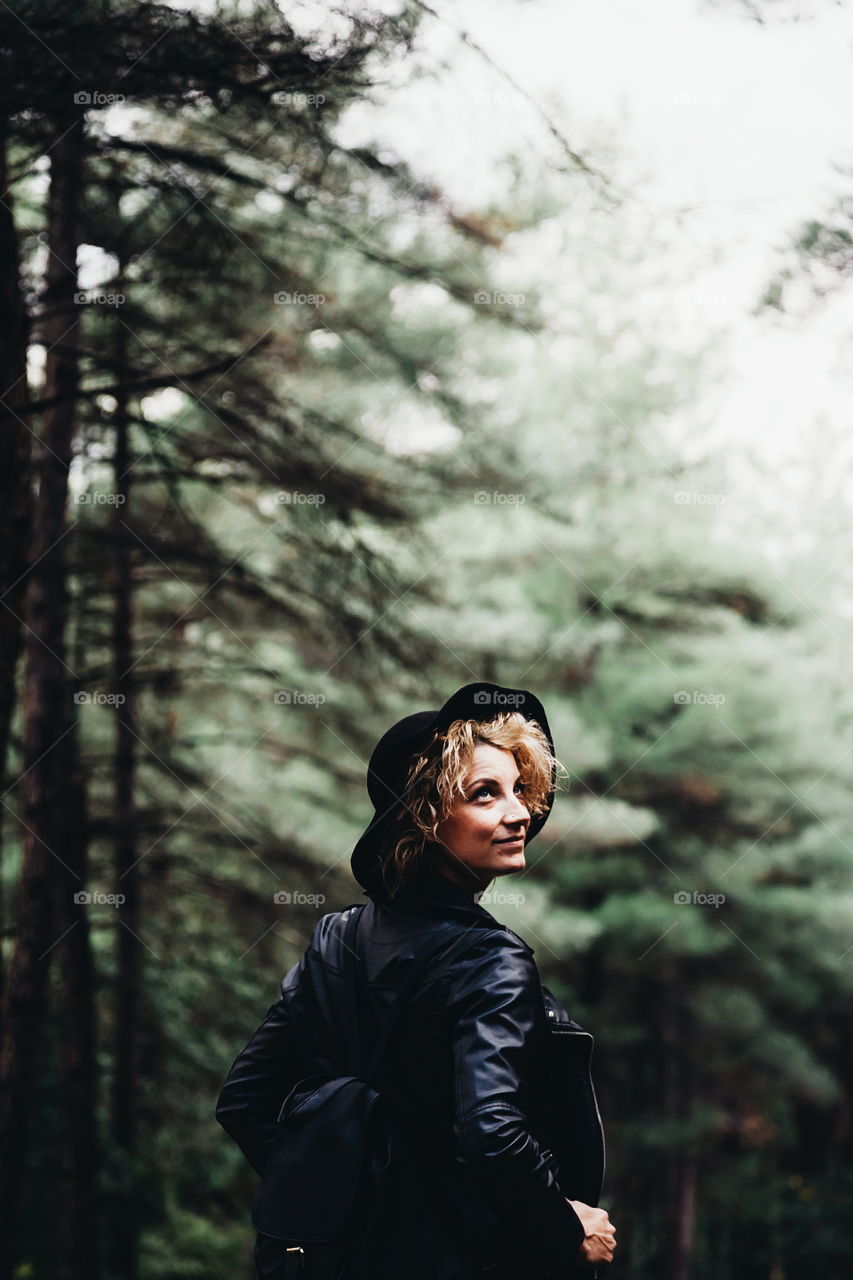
729 114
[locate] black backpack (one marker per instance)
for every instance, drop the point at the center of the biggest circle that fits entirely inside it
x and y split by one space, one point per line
341 1177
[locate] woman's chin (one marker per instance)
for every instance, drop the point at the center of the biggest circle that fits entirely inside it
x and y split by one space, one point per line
506 863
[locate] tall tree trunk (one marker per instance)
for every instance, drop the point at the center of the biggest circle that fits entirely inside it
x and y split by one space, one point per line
53 865
78 1238
15 504
679 1209
123 1245
685 1217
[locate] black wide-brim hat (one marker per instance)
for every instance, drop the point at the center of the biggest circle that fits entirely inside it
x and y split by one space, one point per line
392 757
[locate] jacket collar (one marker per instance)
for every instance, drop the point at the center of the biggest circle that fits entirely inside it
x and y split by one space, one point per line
434 893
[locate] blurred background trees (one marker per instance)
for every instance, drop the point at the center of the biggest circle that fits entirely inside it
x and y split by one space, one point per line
294 444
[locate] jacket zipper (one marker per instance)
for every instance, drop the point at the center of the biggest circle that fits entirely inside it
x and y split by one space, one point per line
297 1248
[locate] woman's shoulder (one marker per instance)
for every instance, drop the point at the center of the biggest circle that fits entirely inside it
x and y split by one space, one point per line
465 951
497 940
494 960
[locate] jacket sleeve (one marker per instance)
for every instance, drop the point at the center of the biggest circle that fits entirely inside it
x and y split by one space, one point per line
494 1000
261 1076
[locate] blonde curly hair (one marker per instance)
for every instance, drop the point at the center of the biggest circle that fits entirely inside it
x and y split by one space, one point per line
435 781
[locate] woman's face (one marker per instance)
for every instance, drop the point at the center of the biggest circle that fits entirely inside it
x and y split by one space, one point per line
483 835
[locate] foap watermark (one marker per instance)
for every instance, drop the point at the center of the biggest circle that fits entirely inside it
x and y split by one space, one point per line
296 98
298 698
295 498
705 298
497 698
85 898
684 697
496 298
83 98
483 498
101 499
685 498
98 298
698 899
288 897
100 699
698 98
501 897
287 297
499 98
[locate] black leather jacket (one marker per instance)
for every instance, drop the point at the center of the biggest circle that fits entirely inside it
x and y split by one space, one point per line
487 1073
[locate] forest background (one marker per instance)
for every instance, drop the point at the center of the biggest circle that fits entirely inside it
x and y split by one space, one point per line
353 353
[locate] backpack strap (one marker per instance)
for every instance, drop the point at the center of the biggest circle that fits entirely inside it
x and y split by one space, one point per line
353 973
352 1022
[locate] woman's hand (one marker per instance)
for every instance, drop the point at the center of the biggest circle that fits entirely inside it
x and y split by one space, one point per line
600 1236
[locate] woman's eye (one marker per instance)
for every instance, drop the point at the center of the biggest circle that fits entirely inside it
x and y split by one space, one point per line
487 790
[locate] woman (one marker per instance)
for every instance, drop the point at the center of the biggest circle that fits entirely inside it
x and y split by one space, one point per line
487 1075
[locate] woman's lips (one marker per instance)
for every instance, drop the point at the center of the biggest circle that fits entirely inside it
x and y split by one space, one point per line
511 843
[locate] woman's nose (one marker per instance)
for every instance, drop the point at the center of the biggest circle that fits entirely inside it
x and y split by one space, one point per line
517 812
